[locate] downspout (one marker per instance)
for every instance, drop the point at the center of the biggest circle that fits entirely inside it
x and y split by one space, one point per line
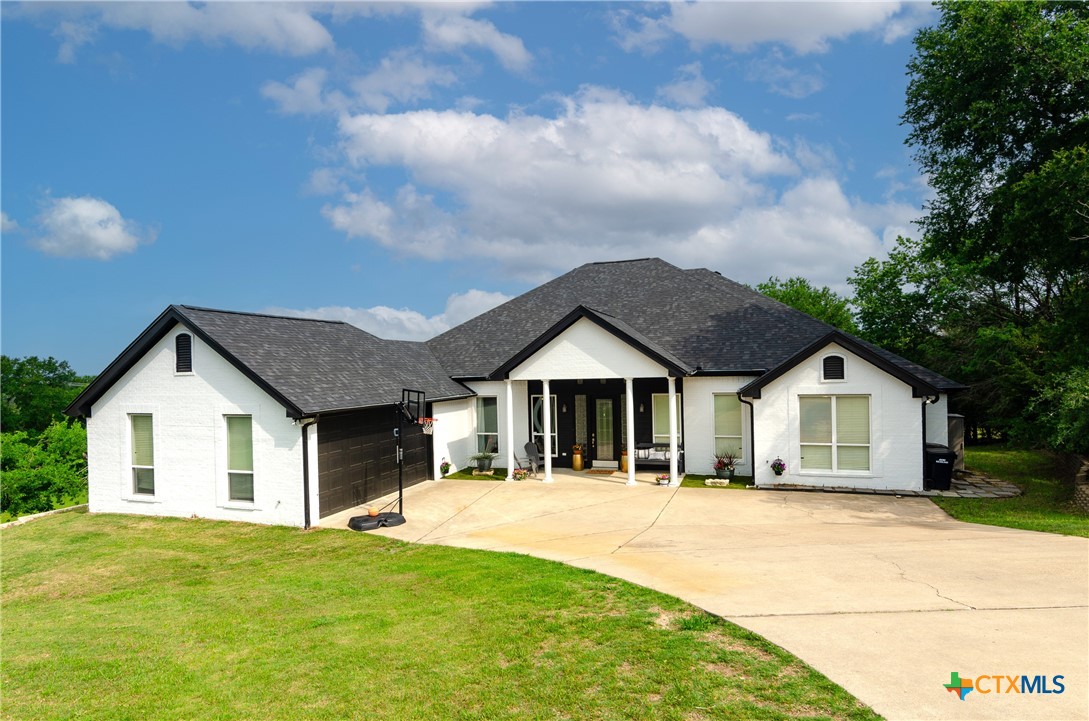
306 471
752 434
927 400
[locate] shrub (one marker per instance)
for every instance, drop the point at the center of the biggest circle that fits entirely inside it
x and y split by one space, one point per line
44 473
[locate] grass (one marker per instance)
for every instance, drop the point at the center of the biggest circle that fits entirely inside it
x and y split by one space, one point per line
1044 504
119 617
693 480
466 474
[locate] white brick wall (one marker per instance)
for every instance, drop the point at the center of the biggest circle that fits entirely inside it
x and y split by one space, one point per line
699 423
190 442
895 425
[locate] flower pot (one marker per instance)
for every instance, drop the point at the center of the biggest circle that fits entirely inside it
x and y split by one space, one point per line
623 461
778 473
723 473
576 462
484 464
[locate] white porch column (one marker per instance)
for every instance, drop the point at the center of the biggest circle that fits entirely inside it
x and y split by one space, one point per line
547 413
510 429
629 421
674 478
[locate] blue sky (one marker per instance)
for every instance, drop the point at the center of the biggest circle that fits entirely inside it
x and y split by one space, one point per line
405 167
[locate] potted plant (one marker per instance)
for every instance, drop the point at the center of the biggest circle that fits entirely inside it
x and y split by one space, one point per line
576 457
662 479
778 466
519 474
724 464
444 467
483 460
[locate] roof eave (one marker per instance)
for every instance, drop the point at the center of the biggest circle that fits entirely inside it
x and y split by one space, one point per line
121 365
919 387
500 373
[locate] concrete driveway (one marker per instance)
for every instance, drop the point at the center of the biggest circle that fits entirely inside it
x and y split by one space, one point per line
885 596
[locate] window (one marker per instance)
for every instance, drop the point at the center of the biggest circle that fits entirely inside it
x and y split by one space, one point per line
240 458
727 425
143 455
835 433
833 368
183 353
537 415
659 403
487 425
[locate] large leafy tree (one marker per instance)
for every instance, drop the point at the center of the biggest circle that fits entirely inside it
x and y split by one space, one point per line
998 110
822 303
35 392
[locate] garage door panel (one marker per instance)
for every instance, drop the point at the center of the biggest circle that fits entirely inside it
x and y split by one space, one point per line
357 458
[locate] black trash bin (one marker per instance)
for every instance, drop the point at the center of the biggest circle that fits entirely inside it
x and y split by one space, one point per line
939 467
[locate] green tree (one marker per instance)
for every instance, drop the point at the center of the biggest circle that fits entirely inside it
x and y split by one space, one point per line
996 106
43 473
34 392
822 303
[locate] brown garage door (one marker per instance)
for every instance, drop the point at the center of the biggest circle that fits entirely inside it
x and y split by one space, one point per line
357 458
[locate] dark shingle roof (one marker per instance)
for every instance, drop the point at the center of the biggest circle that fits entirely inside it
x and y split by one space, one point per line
326 365
708 322
309 366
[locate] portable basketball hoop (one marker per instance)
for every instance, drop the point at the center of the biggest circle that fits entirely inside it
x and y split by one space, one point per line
409 410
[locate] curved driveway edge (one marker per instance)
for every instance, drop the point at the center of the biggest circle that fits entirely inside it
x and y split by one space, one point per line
885 596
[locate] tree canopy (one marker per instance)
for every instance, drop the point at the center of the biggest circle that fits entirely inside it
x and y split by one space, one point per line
996 292
822 303
34 392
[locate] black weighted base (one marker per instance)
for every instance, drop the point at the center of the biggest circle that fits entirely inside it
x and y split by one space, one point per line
369 523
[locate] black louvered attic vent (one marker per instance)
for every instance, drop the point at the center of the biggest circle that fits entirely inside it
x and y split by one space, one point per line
183 353
833 368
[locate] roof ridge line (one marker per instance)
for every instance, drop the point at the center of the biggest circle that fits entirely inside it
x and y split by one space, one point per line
262 315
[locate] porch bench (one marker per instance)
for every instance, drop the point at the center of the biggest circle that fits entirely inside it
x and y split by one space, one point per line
656 455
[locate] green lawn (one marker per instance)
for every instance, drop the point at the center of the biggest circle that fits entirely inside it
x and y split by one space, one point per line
1044 505
118 617
693 480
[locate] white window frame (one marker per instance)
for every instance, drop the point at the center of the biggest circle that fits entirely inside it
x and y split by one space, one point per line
834 380
715 435
835 444
482 435
654 434
132 449
252 472
537 436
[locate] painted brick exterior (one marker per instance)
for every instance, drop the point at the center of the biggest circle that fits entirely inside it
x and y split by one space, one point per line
699 423
190 442
895 426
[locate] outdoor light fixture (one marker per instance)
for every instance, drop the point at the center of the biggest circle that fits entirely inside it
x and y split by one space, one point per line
640 407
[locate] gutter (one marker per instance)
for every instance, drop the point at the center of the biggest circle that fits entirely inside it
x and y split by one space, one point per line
752 434
306 470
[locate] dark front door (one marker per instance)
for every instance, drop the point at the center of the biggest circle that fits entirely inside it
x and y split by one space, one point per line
357 458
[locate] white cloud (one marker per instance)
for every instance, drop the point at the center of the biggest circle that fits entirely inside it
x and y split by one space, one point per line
689 88
405 323
606 178
87 227
806 27
443 30
283 28
7 225
782 79
304 96
400 77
